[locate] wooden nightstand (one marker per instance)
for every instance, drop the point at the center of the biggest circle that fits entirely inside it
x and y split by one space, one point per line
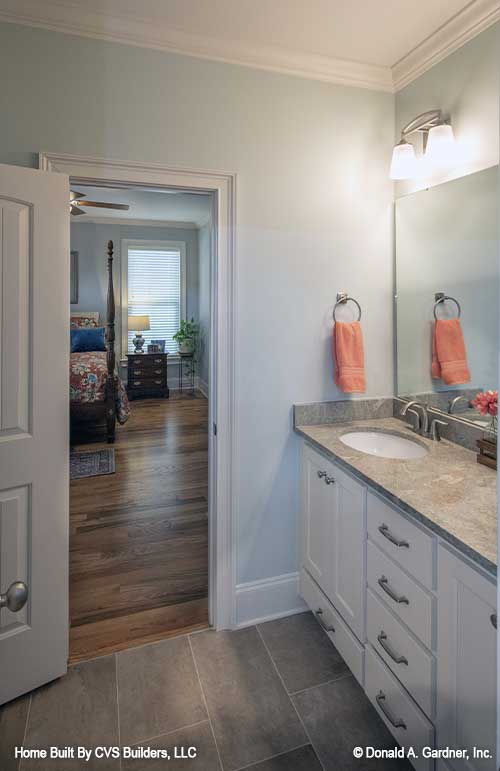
147 375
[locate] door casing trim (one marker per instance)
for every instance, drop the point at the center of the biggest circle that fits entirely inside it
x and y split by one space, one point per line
223 447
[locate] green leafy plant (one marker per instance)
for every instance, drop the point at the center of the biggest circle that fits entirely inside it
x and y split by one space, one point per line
188 334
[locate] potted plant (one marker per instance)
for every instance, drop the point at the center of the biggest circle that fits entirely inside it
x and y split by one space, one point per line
187 336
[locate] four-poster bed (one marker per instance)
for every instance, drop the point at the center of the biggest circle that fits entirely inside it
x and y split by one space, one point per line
97 393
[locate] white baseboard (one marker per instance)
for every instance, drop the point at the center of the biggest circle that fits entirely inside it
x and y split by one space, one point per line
268 599
203 387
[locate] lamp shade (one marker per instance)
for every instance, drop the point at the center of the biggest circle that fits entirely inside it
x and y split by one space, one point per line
404 162
440 144
138 323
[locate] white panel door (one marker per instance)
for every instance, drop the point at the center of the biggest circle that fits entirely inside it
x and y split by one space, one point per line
466 661
318 510
34 444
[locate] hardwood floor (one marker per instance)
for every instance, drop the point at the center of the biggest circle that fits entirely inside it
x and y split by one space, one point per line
139 537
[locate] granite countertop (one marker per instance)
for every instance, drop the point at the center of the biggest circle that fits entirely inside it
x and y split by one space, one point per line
447 490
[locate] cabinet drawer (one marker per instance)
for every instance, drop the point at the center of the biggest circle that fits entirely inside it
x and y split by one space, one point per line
146 382
141 371
403 718
403 542
146 361
346 643
402 594
408 660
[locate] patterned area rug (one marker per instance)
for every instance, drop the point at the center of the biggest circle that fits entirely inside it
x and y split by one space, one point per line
91 463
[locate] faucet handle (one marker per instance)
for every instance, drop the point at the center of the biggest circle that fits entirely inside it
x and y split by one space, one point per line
435 431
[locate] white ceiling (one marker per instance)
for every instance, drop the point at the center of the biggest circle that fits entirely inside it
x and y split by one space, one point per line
371 43
149 207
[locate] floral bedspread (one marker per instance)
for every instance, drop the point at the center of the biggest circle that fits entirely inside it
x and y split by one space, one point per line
87 382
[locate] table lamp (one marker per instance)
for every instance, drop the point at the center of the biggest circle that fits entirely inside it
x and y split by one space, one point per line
138 324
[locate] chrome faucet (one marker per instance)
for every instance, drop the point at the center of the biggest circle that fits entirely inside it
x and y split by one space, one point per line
407 409
423 424
455 401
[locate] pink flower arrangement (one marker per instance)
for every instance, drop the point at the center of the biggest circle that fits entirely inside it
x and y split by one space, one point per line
487 403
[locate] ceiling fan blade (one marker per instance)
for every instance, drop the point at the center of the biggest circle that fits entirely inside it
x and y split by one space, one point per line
102 205
74 196
75 211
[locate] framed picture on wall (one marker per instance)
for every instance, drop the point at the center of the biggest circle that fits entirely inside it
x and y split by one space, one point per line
73 278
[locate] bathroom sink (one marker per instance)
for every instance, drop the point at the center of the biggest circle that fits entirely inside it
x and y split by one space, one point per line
384 445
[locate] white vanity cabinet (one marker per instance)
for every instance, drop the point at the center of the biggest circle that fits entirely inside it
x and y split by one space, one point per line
334 533
426 651
466 650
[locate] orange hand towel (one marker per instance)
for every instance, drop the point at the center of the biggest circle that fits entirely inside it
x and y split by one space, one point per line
449 358
347 345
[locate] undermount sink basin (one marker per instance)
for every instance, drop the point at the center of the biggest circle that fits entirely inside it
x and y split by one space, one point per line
384 445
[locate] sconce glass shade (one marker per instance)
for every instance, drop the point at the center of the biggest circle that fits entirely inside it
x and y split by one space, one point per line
404 162
440 144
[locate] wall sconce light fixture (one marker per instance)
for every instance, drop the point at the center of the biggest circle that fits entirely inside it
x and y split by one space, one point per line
438 142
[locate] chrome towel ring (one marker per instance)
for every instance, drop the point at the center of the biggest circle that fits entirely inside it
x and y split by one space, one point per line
342 299
441 297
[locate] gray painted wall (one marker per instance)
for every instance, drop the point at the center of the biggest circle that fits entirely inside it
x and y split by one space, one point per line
465 86
314 215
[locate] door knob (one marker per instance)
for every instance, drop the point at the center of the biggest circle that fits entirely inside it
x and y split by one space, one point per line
15 598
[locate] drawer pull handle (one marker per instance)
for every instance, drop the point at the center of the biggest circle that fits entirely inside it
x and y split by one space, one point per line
384 529
157 371
321 474
137 382
137 372
319 615
383 582
493 619
329 480
397 722
385 645
158 382
157 361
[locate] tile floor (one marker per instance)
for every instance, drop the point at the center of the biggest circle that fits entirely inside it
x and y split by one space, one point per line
275 697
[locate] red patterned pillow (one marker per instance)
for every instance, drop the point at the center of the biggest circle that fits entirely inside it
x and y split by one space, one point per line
84 319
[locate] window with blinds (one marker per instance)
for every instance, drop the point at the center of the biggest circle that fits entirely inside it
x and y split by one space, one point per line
156 288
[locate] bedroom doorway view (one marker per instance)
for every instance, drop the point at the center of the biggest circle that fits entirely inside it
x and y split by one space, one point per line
139 414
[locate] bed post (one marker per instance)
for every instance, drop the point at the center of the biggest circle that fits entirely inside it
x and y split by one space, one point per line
110 346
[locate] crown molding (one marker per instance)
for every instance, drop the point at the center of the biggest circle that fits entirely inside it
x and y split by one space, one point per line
473 19
71 18
133 222
120 28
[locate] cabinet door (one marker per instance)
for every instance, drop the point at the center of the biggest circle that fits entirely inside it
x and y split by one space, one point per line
318 506
349 535
466 704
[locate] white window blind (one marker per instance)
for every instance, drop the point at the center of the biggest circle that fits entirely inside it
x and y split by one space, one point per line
156 284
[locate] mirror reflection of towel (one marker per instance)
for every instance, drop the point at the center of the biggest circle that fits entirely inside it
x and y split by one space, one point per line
449 357
349 357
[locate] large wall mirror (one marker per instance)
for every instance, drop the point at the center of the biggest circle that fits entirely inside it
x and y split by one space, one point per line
447 243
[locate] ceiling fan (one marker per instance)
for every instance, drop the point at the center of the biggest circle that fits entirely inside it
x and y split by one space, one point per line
76 201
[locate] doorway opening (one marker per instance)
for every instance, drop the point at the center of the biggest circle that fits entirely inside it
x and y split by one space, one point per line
223 428
139 411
